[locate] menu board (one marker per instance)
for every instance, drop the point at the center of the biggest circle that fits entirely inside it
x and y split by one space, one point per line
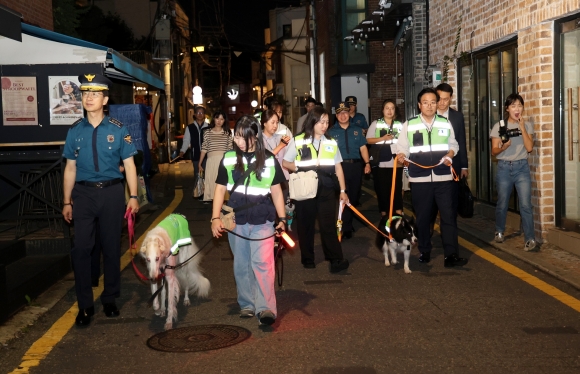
65 100
19 101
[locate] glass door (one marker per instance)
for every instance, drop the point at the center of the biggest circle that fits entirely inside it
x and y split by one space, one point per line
484 87
568 182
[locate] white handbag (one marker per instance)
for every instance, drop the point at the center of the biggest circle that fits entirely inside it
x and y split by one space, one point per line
303 185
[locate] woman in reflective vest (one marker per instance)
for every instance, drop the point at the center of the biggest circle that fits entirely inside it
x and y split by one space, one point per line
382 134
255 217
312 150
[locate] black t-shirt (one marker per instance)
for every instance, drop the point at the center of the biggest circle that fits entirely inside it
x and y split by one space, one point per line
264 210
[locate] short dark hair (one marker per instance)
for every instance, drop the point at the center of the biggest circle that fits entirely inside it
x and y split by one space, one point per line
445 87
309 100
513 98
425 91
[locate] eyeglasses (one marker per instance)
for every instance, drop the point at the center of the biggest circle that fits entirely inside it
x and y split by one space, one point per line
92 94
200 113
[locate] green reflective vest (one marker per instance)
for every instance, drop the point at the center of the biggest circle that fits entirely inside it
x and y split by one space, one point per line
327 149
428 147
177 228
382 125
255 187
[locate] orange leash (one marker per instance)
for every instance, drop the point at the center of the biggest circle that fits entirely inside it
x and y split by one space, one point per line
455 176
392 198
365 219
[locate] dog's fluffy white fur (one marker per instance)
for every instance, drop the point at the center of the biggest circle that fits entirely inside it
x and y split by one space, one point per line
186 279
404 233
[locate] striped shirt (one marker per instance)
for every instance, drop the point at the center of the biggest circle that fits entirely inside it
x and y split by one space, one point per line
213 141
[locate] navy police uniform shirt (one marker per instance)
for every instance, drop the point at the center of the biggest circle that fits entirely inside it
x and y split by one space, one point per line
359 120
349 141
98 150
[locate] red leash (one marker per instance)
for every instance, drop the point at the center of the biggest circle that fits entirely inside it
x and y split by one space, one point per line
130 217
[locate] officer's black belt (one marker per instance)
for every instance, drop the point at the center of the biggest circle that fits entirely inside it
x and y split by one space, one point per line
353 160
102 184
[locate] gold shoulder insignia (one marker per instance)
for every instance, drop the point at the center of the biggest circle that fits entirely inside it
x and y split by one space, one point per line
89 77
115 122
77 122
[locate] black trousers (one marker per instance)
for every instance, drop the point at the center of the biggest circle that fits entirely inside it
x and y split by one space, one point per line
323 206
108 206
443 195
353 173
383 181
455 207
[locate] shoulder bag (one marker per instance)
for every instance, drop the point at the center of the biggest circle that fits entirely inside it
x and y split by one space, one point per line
304 184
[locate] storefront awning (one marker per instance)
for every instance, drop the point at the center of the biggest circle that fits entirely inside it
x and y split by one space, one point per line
41 46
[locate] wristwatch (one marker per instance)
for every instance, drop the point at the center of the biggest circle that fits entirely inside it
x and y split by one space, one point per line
343 191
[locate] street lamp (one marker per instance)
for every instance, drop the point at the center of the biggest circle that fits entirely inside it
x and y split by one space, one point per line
197 97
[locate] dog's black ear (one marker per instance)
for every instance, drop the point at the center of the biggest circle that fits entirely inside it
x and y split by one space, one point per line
412 220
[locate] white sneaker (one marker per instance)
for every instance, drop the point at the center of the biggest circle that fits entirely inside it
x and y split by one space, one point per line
499 237
531 246
246 313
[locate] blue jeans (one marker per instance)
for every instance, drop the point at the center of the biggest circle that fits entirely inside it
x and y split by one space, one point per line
510 174
254 267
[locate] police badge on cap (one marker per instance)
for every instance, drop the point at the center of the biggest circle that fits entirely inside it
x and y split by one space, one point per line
94 82
341 107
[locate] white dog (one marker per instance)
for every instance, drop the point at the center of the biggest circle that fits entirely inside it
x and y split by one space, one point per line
404 235
186 279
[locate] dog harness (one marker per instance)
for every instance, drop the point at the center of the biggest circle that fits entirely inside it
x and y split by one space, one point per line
388 224
177 228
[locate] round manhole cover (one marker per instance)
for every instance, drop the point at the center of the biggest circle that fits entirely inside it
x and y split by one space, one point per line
198 338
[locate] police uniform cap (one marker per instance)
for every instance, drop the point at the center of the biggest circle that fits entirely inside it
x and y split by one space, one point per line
350 100
94 82
341 107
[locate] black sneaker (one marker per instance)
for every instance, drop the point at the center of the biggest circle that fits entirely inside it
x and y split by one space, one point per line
454 260
338 265
425 257
267 318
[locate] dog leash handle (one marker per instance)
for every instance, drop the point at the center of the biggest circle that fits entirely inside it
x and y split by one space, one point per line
130 217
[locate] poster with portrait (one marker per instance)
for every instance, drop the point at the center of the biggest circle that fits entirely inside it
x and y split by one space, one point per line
65 100
19 101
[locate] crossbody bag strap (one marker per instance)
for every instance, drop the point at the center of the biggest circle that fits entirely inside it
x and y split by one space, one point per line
243 177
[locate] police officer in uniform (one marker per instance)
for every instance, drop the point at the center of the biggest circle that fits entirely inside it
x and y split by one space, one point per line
93 190
356 119
427 140
355 158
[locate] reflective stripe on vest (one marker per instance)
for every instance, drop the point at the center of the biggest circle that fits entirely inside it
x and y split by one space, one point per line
437 138
328 149
381 124
255 187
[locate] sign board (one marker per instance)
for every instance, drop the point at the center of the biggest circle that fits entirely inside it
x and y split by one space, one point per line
436 78
65 100
233 94
271 75
19 101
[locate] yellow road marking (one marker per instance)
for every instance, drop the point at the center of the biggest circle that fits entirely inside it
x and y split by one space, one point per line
563 297
42 347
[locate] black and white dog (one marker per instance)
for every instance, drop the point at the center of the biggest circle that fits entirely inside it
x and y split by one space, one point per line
404 233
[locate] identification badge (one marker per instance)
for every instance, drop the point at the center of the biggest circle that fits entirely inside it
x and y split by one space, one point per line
329 148
443 132
355 133
110 138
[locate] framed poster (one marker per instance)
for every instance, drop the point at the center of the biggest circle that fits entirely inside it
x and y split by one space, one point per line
19 101
65 100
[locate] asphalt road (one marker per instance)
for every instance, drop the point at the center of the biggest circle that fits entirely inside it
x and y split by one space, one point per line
368 319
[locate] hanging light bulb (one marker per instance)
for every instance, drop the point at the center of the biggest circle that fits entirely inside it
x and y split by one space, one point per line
352 41
384 44
397 22
366 36
356 46
377 28
362 47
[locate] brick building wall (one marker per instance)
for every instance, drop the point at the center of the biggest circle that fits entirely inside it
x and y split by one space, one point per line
486 23
34 12
387 80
